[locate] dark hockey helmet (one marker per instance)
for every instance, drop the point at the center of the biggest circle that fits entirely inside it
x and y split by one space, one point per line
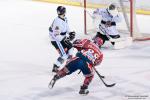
112 6
61 10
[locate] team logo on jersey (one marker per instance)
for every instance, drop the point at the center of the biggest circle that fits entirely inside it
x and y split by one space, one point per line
56 28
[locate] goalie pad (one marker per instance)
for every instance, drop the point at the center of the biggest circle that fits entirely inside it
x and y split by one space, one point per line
121 43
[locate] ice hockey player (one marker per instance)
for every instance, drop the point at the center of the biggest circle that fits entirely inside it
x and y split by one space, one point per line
109 17
60 37
87 57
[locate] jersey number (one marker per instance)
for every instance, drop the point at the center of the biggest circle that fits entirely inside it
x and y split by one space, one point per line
90 54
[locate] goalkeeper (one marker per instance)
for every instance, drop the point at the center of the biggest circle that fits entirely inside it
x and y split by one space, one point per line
107 28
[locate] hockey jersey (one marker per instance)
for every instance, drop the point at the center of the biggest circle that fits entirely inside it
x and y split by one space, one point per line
106 16
59 29
88 51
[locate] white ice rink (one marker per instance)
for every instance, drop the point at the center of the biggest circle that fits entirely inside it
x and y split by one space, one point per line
26 58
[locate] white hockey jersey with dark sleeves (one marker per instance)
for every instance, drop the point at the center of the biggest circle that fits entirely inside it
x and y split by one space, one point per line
106 16
59 29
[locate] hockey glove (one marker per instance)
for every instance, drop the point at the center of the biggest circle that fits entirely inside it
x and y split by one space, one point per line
72 35
66 40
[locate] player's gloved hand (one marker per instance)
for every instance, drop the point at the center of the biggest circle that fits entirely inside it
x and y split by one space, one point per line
72 35
95 14
84 90
67 41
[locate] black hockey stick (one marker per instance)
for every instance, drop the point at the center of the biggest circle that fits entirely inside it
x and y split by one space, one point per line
104 32
107 85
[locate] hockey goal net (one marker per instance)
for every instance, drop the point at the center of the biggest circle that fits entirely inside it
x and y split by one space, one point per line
127 9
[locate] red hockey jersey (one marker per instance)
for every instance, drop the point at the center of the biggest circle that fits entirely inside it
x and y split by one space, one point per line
88 51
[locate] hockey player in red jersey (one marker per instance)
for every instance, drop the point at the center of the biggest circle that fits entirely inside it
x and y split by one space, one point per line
87 57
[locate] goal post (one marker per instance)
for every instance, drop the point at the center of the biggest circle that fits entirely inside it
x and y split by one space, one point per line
85 27
127 8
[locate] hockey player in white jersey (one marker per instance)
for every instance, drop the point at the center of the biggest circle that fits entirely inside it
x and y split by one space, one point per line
60 37
109 18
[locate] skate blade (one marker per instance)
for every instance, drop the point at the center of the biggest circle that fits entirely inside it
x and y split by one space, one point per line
84 94
51 84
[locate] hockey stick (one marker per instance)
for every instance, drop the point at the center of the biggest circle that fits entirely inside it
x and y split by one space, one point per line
102 29
100 75
110 39
107 85
104 32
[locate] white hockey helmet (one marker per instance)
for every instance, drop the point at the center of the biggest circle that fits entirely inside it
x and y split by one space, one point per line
112 9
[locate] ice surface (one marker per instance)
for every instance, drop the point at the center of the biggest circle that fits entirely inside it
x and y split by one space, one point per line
26 58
